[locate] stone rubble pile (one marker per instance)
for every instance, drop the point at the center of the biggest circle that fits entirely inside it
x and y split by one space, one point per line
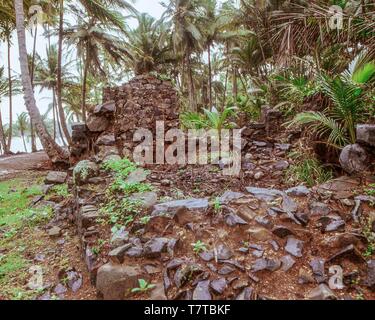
263 243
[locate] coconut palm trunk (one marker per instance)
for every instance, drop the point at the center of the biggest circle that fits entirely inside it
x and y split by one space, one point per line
192 101
9 143
59 75
84 80
209 76
32 131
2 135
24 141
53 150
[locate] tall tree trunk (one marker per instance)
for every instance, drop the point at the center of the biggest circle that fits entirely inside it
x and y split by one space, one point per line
59 75
53 150
235 85
32 131
192 101
84 80
58 121
24 142
2 134
34 54
209 76
9 143
32 134
54 118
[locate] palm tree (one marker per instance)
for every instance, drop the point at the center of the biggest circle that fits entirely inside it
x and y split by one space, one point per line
149 45
7 26
346 93
54 151
46 78
3 92
22 126
91 38
186 36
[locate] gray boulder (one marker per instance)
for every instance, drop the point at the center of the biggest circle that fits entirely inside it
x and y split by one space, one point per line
114 282
354 159
97 124
366 134
56 177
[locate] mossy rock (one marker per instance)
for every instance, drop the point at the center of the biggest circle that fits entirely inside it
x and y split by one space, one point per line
84 171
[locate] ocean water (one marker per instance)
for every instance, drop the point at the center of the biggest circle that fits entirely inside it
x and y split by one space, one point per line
17 144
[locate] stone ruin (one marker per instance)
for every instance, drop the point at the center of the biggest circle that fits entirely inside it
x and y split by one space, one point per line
110 126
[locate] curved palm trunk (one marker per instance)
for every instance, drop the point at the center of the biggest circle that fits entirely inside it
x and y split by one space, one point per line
59 76
54 151
8 145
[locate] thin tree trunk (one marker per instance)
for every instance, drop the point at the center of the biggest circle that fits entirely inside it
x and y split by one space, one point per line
32 131
24 142
235 85
193 105
59 76
54 118
54 151
2 135
8 145
209 76
84 80
58 121
34 53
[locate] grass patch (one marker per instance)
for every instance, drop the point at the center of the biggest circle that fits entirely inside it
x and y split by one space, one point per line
17 220
306 169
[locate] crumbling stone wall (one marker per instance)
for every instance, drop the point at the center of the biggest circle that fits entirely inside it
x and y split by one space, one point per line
139 104
110 126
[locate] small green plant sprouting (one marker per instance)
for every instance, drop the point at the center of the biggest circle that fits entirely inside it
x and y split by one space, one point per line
144 286
370 191
217 205
121 211
61 190
360 296
121 167
199 247
145 219
370 250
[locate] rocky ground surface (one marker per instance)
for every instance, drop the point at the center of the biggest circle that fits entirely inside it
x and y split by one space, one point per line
38 260
200 235
16 164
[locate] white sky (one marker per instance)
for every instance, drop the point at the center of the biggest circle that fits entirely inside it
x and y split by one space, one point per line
152 7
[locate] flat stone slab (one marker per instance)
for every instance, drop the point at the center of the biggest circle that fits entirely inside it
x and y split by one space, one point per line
56 177
229 196
264 194
173 206
137 176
